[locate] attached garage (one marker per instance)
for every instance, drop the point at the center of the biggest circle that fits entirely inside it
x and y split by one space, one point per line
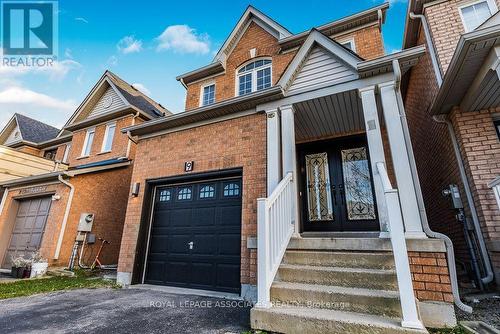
28 229
195 235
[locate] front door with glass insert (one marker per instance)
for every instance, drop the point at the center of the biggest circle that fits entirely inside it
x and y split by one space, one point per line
337 189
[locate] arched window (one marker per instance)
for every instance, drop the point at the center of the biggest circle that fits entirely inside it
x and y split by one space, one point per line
254 76
184 193
207 191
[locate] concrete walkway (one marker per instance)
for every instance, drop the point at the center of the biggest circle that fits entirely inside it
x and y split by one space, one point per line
122 311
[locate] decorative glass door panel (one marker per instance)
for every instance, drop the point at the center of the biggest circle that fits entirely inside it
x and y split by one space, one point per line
319 196
337 189
358 184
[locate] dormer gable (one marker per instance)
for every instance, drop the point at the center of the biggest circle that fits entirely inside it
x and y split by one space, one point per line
110 98
26 131
319 62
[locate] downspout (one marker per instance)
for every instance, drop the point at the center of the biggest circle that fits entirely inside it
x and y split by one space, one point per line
130 139
463 176
66 214
420 200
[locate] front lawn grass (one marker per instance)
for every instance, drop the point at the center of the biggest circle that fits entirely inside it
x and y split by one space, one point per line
30 287
456 330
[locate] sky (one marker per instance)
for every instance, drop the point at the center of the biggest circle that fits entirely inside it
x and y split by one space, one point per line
148 43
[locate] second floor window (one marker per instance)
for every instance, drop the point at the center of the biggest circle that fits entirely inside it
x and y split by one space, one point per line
475 14
254 76
87 144
107 142
66 153
50 154
208 95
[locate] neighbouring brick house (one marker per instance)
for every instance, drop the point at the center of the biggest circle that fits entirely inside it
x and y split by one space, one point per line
93 164
279 183
452 104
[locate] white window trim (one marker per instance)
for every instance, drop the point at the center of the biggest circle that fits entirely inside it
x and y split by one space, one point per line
85 142
491 5
66 153
105 138
202 88
254 75
348 40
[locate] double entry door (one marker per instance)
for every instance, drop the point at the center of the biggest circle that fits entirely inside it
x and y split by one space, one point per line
337 190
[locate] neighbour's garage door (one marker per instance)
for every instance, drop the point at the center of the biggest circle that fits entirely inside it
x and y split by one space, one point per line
195 239
28 229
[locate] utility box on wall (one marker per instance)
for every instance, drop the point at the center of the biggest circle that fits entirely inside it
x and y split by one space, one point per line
85 223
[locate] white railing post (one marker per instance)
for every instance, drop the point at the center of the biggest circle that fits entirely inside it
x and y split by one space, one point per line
263 293
495 185
409 311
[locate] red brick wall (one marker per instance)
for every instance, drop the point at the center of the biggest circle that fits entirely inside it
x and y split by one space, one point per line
480 149
431 280
105 194
119 148
446 27
234 143
369 43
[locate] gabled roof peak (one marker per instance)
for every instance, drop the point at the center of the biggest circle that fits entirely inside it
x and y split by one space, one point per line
251 14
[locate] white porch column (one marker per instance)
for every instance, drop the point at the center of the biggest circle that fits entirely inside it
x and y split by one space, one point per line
407 194
289 155
376 150
273 150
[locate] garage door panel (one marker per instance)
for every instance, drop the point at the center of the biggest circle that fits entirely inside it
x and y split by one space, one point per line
204 217
202 273
178 244
176 272
180 217
158 244
230 215
208 215
228 275
229 244
28 230
155 270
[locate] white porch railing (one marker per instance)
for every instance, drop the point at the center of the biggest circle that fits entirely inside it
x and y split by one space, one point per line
396 229
274 230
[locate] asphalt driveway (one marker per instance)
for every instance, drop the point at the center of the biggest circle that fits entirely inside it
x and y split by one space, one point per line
122 311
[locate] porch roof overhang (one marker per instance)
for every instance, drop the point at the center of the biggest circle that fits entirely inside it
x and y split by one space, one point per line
35 179
367 72
472 80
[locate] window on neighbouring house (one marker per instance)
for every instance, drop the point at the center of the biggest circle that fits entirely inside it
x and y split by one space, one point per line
208 95
107 142
50 154
254 76
497 127
66 153
87 144
349 44
475 14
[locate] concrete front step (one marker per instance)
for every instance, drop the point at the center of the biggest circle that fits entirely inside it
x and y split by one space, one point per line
301 320
351 277
378 302
381 260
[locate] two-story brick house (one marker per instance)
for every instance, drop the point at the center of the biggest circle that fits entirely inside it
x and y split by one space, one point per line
42 212
452 103
278 183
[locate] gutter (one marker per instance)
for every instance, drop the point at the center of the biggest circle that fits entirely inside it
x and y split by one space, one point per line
130 139
420 200
66 215
475 218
